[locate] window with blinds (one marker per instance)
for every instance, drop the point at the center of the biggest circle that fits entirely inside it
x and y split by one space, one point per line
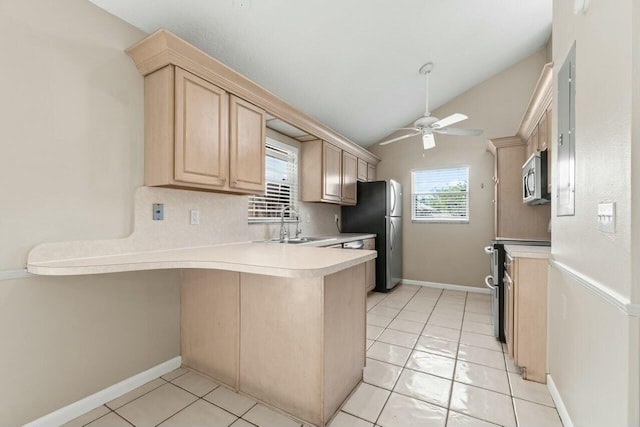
440 195
281 170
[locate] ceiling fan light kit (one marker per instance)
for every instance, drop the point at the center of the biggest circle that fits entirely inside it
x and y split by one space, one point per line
428 125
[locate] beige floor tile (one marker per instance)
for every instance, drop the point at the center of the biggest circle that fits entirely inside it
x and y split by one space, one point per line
381 374
175 374
406 326
479 340
481 356
482 376
531 414
242 423
484 404
389 353
110 420
392 302
423 386
201 413
366 402
156 406
369 343
530 390
373 332
342 419
414 316
403 411
134 394
380 321
231 401
262 416
437 346
379 310
375 297
511 367
195 383
442 333
448 311
403 339
478 328
478 307
456 419
430 292
479 318
430 363
445 321
420 305
86 418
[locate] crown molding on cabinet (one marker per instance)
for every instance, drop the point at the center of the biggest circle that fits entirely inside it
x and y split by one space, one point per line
539 102
163 48
509 141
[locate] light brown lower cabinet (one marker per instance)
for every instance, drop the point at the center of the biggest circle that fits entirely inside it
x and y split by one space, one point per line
297 344
525 283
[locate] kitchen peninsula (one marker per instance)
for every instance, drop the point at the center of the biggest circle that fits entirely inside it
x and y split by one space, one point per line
283 324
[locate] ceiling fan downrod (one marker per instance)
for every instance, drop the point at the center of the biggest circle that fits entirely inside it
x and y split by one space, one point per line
426 70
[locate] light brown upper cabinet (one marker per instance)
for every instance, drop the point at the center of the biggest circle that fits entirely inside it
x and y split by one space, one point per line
199 137
329 174
201 117
362 170
246 146
371 173
349 178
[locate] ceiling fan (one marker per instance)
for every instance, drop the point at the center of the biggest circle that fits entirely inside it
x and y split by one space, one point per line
428 125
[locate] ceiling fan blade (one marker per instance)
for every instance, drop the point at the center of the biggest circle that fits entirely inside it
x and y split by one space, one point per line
461 132
447 121
428 141
399 138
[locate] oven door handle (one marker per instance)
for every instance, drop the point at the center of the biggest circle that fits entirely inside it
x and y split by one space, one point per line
488 284
488 249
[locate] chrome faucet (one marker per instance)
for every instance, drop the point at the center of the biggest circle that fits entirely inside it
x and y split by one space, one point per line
284 232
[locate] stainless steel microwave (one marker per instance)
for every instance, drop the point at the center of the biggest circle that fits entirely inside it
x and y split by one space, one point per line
534 179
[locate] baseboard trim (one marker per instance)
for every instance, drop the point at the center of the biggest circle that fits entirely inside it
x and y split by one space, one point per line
612 297
557 399
89 403
446 286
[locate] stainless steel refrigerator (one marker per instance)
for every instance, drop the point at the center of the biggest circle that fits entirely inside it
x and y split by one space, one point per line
379 211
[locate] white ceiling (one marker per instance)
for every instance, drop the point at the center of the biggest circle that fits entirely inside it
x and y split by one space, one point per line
353 64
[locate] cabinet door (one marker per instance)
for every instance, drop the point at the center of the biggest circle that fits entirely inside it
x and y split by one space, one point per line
201 131
362 170
371 173
548 116
543 134
331 172
370 274
349 178
246 146
508 313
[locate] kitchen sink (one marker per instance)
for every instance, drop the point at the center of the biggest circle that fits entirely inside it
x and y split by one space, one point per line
299 240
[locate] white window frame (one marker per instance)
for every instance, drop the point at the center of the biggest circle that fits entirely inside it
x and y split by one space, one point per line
439 219
290 216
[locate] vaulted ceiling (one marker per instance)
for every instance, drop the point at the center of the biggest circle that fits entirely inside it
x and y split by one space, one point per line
353 64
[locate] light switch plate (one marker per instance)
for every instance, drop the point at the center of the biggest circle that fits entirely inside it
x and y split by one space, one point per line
607 217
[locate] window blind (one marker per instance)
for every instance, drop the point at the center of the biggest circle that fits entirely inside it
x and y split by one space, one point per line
440 195
281 176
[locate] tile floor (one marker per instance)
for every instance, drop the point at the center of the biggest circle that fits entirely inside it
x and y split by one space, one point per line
431 361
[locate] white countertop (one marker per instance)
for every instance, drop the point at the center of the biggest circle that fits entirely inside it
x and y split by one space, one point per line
273 259
522 251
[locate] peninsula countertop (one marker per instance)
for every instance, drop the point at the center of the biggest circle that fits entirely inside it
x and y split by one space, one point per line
271 259
522 251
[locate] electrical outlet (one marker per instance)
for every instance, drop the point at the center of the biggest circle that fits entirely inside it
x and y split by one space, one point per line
158 211
195 217
308 218
607 217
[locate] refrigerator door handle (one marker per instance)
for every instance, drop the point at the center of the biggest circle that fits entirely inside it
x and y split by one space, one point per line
393 199
392 236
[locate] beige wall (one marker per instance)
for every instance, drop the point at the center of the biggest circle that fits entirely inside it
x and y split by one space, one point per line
593 347
433 252
71 146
